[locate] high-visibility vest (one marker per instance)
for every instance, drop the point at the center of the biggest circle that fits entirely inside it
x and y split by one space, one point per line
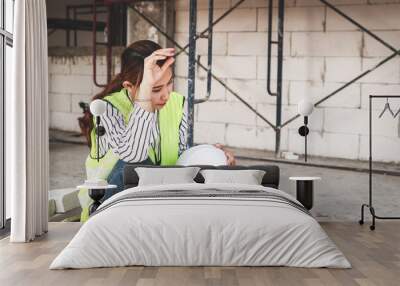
169 119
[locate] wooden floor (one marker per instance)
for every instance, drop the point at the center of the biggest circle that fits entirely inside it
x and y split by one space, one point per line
375 257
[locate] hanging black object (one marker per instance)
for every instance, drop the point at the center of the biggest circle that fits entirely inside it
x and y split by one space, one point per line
304 131
98 108
387 108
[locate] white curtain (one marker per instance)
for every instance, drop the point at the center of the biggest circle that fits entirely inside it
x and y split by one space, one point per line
27 123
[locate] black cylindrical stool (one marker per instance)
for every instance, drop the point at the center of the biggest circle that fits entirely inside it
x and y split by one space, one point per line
305 190
96 193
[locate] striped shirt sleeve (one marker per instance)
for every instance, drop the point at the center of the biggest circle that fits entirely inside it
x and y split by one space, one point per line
130 142
183 130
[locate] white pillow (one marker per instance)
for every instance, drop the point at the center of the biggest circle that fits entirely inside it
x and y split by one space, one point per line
248 177
163 176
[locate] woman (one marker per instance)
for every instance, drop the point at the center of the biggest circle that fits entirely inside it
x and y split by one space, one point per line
145 121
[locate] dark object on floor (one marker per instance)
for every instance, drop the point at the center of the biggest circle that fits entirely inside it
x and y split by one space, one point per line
305 190
96 195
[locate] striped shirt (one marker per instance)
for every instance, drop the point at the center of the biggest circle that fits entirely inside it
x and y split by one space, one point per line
131 142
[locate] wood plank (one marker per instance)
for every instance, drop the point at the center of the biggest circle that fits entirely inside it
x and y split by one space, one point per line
375 257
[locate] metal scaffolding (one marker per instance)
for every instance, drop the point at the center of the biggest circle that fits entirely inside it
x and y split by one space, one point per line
279 42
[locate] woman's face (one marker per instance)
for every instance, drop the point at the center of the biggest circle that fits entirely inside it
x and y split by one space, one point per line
162 89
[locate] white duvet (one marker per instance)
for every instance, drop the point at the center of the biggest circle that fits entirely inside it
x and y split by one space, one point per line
188 231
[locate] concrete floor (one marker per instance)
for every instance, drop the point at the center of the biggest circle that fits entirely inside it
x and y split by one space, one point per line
338 196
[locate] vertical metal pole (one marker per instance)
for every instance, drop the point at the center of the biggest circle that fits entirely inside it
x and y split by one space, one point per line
370 151
2 126
281 19
192 70
67 35
269 51
75 30
109 44
305 137
210 44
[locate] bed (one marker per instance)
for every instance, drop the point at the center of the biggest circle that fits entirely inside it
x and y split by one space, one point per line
198 224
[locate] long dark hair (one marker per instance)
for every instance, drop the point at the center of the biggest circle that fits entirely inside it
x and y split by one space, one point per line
132 66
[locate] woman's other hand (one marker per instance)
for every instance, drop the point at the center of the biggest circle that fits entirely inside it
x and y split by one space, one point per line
230 158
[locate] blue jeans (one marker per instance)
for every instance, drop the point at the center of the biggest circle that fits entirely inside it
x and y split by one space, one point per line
116 177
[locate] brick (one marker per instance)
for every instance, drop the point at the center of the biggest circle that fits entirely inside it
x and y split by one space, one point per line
181 66
209 133
71 84
223 112
247 44
217 90
334 2
58 65
384 149
201 4
240 136
293 68
296 19
250 43
265 139
219 43
350 97
255 91
377 89
346 44
262 3
84 66
373 48
376 17
237 20
355 121
239 67
60 102
303 68
243 136
316 119
342 69
387 73
326 144
268 111
64 121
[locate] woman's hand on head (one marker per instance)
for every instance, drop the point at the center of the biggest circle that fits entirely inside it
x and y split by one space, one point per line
152 73
230 158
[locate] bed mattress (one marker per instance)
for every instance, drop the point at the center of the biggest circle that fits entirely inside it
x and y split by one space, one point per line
201 225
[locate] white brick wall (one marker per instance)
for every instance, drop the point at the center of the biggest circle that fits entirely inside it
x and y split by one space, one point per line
322 51
71 81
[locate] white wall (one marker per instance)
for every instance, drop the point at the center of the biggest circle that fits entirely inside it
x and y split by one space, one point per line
71 81
322 51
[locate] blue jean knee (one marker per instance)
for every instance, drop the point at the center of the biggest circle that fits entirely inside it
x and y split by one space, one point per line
116 177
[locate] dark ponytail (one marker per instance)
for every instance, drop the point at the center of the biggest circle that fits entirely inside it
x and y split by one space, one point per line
132 66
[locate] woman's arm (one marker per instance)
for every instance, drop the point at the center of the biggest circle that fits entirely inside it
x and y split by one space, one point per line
129 142
183 130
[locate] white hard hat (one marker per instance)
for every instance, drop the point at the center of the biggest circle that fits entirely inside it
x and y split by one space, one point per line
202 155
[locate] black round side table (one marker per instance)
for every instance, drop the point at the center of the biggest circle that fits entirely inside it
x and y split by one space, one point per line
96 193
305 190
